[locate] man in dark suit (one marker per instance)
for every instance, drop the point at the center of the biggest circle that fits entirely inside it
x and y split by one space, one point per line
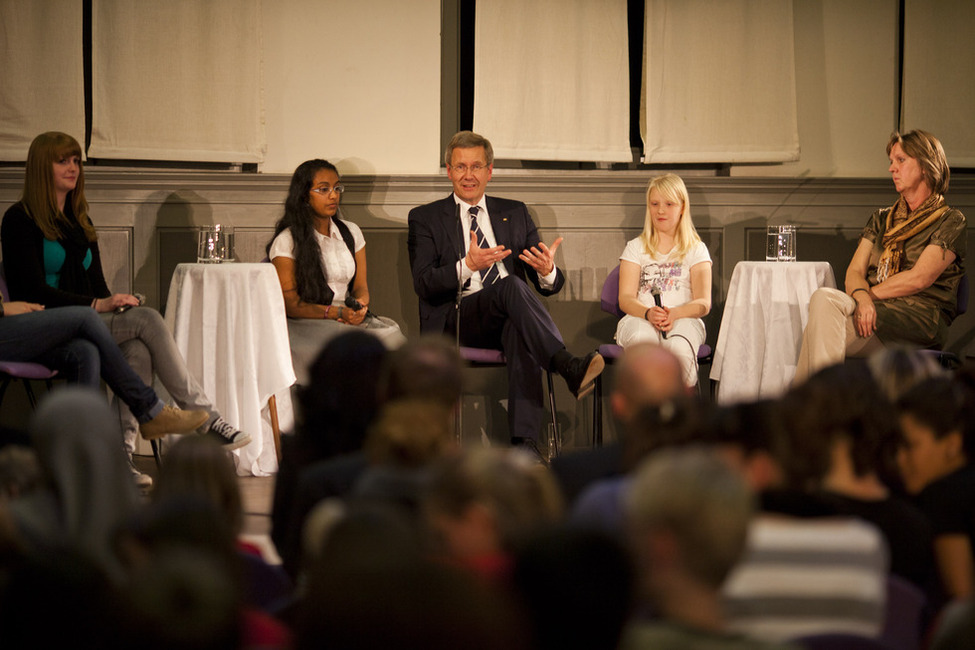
461 249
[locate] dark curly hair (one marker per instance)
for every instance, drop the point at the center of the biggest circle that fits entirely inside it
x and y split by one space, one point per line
311 279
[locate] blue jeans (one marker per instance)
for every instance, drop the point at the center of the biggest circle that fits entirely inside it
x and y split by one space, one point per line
75 342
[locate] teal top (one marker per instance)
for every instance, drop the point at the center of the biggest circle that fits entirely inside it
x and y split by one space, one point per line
54 259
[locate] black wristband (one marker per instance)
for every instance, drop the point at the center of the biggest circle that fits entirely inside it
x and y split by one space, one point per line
853 293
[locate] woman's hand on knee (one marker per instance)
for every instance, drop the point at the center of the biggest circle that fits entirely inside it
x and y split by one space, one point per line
20 307
113 302
865 318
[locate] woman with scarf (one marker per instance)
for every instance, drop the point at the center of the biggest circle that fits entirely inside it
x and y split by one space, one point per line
902 284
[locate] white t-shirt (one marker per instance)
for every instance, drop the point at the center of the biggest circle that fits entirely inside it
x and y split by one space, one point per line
670 274
336 258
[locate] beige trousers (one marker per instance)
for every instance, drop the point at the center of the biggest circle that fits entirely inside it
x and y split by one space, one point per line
830 336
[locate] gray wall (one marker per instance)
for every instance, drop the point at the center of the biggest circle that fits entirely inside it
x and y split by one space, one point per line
147 225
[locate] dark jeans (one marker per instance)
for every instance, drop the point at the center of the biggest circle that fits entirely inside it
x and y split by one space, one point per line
75 342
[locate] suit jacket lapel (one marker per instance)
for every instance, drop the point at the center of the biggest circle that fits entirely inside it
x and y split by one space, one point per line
453 227
502 231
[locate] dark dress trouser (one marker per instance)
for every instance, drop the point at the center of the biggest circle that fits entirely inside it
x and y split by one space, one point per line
508 315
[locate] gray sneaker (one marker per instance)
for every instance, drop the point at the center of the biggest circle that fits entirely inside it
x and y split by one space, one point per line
227 435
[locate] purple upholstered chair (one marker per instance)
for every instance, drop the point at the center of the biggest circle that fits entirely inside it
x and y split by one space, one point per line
22 370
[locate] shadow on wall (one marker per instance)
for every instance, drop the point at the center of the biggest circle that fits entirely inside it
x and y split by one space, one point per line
174 238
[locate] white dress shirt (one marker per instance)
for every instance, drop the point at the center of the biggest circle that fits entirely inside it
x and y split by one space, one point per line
484 222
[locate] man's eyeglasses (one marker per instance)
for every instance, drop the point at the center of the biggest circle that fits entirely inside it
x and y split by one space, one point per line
463 169
325 191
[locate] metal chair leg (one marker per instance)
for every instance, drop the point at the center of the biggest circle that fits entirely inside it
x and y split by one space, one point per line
156 453
31 398
597 412
555 414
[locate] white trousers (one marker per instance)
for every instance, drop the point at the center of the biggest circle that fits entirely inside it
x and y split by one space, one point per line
683 340
830 336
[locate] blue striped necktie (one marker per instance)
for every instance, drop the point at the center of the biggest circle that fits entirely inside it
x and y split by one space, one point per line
491 274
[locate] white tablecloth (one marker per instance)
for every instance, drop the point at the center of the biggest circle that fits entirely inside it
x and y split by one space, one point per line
229 322
761 329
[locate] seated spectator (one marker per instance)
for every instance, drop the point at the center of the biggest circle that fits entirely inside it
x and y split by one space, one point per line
407 439
481 503
576 587
87 490
427 368
334 411
687 517
675 422
897 369
647 375
372 588
843 405
185 581
937 418
198 468
806 568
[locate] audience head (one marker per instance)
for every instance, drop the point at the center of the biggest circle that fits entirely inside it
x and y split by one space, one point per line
930 155
484 501
181 558
839 410
648 375
427 368
341 399
468 140
410 433
675 422
41 188
751 438
687 515
896 369
67 584
937 417
669 188
199 467
576 586
184 599
372 587
89 490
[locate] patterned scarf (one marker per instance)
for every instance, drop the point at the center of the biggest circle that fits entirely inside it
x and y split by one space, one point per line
908 224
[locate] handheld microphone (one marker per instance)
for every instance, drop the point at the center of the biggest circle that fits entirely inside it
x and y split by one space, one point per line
655 292
352 303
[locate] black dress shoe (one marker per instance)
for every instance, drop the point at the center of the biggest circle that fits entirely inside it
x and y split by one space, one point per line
581 372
